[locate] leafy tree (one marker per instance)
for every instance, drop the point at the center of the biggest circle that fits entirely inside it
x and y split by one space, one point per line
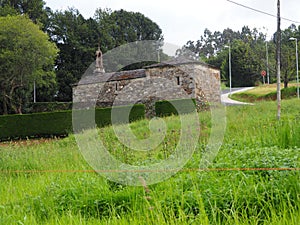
33 8
211 43
26 56
288 58
122 27
6 10
78 38
248 53
288 64
245 66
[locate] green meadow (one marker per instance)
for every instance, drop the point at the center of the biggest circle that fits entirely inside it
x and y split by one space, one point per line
254 179
267 92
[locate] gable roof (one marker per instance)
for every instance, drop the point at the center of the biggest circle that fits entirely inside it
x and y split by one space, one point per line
139 73
179 61
115 76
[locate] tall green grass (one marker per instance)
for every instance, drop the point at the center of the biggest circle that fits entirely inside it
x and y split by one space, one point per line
265 93
50 183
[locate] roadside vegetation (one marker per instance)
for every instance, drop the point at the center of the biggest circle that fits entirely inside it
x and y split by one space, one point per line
49 182
266 93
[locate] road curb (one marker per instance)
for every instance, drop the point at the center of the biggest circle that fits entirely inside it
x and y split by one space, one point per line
228 101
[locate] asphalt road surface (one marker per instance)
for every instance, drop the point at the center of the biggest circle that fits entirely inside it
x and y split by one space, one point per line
227 101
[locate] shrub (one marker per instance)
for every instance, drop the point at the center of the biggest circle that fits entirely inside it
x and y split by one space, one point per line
103 116
49 106
58 123
167 108
289 92
286 93
35 125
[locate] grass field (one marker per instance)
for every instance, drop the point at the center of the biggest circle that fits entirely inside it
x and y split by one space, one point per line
266 92
49 182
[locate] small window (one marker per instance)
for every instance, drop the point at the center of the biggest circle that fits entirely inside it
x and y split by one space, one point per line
178 80
116 86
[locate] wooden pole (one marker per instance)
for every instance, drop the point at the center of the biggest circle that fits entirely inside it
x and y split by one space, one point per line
278 47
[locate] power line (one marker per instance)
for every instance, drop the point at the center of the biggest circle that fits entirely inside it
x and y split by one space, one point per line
262 12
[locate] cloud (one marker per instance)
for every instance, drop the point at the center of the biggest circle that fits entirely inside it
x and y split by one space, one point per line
186 20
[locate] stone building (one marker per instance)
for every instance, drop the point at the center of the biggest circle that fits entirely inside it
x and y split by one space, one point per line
176 79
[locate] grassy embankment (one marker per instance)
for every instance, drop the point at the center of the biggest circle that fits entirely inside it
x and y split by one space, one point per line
48 183
266 93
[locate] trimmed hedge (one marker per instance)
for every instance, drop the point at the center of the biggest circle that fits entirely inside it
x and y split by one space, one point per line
39 107
59 123
286 93
103 116
35 125
166 108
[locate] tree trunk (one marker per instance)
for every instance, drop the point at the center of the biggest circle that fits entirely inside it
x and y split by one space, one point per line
4 104
286 80
19 107
4 101
19 110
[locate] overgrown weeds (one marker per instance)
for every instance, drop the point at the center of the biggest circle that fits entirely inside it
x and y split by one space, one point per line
51 183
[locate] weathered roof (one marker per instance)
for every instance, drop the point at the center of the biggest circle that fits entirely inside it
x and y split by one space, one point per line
134 74
178 61
115 76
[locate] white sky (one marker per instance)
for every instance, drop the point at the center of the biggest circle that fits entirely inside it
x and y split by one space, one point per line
186 20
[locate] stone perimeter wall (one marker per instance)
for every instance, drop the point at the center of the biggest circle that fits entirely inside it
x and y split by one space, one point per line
167 82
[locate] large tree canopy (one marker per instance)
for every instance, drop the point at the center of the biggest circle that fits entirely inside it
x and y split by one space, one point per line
246 65
249 54
122 27
288 56
78 38
32 8
26 56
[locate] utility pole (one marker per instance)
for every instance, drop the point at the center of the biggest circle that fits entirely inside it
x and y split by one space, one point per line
278 48
34 92
297 66
230 79
267 58
229 61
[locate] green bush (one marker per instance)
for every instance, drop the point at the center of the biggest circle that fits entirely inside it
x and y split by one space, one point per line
289 92
49 106
103 116
167 108
35 125
135 112
286 93
60 123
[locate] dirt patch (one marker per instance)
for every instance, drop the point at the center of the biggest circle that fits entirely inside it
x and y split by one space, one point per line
28 142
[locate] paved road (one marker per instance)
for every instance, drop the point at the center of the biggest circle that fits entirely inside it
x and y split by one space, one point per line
227 101
233 90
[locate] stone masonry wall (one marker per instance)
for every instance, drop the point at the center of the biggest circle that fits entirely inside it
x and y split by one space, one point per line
208 83
159 83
